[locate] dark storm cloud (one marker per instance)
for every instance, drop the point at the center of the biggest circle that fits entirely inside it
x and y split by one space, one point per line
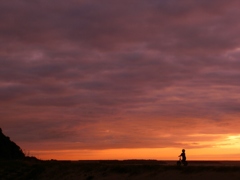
76 63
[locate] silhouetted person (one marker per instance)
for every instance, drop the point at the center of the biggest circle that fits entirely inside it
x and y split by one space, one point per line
183 155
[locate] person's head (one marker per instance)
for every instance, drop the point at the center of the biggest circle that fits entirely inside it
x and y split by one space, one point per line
183 150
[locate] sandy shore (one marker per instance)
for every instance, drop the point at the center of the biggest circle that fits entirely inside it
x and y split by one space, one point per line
128 169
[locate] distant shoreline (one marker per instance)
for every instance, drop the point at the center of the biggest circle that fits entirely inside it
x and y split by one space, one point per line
158 162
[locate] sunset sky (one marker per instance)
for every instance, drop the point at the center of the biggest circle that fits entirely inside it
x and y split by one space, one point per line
121 79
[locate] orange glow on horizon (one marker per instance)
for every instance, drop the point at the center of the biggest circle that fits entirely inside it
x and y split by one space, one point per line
142 153
225 148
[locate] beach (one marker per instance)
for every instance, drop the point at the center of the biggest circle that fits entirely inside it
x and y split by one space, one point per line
115 169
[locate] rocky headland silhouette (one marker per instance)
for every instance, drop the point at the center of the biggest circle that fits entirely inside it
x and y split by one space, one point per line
9 149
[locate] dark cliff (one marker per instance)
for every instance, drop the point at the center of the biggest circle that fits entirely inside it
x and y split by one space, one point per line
9 149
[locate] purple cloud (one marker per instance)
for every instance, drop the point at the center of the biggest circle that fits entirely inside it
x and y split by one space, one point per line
119 72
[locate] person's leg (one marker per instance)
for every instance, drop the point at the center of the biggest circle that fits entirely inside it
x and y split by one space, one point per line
184 162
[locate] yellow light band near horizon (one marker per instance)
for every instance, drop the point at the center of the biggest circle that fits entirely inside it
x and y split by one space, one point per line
214 153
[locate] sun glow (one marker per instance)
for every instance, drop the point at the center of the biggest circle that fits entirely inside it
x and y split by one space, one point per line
236 137
231 141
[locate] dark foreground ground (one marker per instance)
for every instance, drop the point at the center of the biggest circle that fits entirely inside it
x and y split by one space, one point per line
128 169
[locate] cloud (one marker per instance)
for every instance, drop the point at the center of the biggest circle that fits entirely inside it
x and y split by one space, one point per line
119 74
